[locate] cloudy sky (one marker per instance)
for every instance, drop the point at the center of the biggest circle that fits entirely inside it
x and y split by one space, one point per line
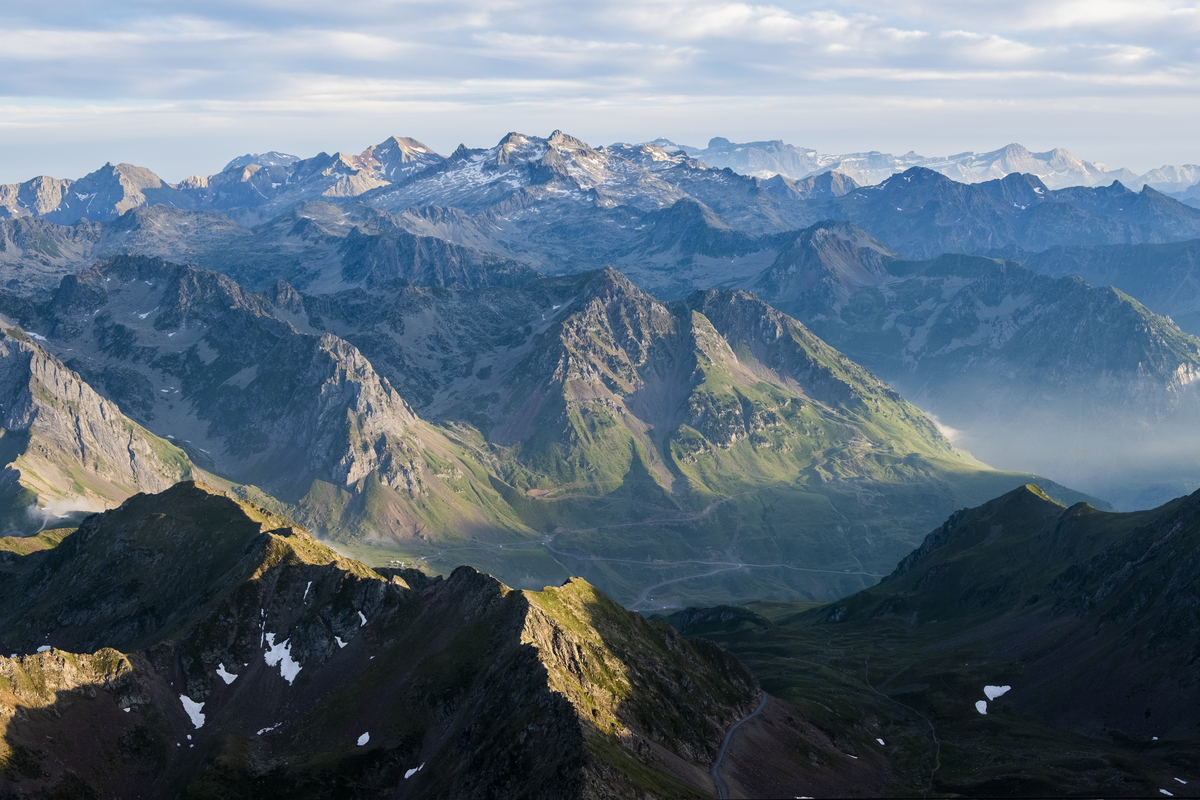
183 87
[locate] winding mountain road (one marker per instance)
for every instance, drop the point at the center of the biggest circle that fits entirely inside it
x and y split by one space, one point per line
643 602
722 788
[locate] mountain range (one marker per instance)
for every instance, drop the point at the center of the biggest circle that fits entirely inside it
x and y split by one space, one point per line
1023 368
505 419
613 382
528 207
1057 168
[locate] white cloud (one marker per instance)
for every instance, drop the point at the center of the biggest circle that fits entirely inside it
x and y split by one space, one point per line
282 67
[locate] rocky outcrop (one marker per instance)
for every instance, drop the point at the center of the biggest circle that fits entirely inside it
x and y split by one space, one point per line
65 446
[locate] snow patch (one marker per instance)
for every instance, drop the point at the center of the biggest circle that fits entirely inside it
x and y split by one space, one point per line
412 772
1164 791
306 588
993 692
43 648
339 641
981 706
880 742
228 677
1181 780
193 710
366 737
281 654
363 618
37 336
261 731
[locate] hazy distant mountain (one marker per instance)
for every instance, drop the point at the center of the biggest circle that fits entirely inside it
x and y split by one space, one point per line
1081 383
269 181
273 158
1191 196
316 246
1056 168
529 168
555 205
1163 276
922 214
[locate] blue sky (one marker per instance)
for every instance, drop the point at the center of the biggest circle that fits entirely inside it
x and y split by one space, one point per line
183 87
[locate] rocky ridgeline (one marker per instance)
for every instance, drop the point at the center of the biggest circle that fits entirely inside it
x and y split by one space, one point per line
260 660
67 448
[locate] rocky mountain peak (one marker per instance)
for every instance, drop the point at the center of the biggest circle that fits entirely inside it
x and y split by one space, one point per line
272 158
35 197
517 147
65 447
560 140
825 265
398 157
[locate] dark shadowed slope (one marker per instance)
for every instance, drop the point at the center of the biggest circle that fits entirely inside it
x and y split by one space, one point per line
1087 624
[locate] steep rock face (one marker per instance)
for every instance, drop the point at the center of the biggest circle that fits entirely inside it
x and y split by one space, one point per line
622 373
305 416
280 667
588 399
231 358
36 254
35 197
785 352
371 260
66 448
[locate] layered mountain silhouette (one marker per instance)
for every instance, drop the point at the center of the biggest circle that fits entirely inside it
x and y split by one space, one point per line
1026 368
506 418
633 372
1057 168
